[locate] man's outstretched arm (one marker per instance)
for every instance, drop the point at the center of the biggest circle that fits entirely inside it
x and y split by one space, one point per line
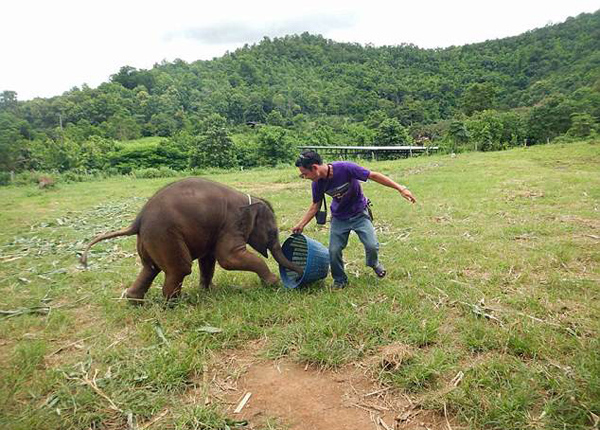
380 178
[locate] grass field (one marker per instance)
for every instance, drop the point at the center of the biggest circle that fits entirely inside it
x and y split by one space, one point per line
493 287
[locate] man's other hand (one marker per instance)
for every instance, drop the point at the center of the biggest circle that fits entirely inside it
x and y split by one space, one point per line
408 195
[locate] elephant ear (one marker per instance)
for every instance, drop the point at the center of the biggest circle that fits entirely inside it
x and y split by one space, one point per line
261 249
246 224
246 219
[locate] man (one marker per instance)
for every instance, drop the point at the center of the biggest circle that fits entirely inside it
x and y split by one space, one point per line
349 211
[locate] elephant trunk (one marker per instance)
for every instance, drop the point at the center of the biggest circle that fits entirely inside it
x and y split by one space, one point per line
277 254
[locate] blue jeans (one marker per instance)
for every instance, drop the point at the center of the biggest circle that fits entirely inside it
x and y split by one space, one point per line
338 239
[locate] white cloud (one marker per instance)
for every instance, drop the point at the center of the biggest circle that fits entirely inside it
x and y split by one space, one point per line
49 47
244 31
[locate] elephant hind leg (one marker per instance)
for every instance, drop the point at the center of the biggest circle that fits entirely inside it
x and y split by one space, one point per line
173 256
173 283
207 269
142 283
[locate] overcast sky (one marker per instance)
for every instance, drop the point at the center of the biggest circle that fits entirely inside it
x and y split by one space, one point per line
50 46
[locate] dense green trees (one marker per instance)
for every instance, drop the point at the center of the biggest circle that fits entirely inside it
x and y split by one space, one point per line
255 105
390 132
274 145
214 147
478 97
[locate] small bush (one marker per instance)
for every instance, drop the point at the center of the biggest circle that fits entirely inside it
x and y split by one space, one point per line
74 176
29 177
111 171
167 172
4 178
46 182
147 154
152 172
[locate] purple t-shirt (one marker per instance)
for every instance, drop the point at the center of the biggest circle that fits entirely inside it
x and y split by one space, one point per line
348 199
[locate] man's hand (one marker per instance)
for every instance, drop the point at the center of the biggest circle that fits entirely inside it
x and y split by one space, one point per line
408 195
298 229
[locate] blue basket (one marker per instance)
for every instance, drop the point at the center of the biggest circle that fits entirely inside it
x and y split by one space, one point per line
307 253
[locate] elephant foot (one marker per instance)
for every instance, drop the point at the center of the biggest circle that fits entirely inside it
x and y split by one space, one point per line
171 295
271 280
134 297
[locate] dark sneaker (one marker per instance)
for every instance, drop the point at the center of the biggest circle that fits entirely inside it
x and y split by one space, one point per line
338 285
380 271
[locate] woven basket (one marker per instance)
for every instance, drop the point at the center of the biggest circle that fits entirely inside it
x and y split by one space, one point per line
307 253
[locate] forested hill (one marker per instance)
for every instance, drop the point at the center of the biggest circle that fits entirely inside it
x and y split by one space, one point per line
305 88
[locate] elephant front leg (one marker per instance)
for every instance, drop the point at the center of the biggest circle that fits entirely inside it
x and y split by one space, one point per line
242 259
207 270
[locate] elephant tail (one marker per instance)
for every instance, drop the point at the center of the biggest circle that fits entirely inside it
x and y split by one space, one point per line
128 231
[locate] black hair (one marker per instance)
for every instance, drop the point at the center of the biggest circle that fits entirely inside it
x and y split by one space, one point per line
307 158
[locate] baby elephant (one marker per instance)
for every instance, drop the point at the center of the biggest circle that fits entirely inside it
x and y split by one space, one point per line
200 219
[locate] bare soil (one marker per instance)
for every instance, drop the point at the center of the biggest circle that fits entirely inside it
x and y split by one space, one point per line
300 397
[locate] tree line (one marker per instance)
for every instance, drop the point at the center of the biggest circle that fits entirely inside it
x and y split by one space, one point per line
255 105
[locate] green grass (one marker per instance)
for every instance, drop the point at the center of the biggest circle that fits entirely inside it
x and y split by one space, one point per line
492 275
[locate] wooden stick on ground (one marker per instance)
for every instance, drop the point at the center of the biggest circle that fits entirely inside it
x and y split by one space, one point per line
446 416
153 420
383 424
92 384
242 403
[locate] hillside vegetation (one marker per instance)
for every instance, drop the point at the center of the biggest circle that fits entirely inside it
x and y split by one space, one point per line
492 295
253 106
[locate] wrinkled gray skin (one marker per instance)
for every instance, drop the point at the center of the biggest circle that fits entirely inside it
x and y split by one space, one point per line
204 220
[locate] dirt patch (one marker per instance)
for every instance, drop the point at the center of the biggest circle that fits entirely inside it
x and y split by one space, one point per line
591 223
421 169
298 396
524 194
305 399
263 188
